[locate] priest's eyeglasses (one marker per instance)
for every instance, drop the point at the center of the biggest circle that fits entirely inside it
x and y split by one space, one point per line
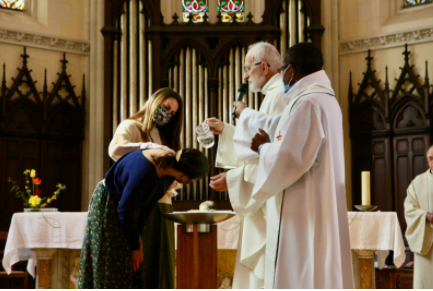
248 67
283 68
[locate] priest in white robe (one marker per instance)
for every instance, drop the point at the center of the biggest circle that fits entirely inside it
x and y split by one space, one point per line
418 211
308 244
261 71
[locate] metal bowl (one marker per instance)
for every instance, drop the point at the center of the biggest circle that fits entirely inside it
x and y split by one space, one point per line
366 207
199 217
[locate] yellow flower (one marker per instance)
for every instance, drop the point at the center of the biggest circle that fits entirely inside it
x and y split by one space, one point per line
33 173
34 200
43 205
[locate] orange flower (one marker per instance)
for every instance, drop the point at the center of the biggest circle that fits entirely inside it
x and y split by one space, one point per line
36 181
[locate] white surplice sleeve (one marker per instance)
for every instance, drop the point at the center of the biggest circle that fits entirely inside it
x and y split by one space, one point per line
283 162
226 155
419 233
248 125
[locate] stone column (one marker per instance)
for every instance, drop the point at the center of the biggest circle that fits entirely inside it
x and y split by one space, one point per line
44 271
367 275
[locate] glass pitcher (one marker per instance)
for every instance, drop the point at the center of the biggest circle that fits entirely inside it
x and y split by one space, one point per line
205 136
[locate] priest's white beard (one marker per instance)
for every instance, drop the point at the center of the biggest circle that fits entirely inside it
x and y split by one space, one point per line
255 87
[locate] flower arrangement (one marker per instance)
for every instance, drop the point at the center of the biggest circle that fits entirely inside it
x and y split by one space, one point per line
31 194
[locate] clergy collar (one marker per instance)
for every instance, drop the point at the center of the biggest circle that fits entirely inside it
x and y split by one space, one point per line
317 80
273 82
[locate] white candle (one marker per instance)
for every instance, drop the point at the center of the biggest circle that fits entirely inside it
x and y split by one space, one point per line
366 197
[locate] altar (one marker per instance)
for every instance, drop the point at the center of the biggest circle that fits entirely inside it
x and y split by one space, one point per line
52 241
374 233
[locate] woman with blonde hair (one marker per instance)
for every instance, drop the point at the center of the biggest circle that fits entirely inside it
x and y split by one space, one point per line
156 126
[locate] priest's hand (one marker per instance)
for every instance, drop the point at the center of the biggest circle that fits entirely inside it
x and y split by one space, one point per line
240 106
215 125
219 182
260 138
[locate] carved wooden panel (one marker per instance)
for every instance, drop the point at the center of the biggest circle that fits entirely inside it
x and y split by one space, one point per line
382 171
61 162
42 131
17 154
409 161
394 125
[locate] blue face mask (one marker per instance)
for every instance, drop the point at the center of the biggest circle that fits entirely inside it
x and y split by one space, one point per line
287 87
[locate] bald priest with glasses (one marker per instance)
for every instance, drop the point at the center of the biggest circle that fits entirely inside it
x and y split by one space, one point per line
262 62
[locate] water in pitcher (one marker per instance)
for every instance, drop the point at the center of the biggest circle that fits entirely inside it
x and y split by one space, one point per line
205 136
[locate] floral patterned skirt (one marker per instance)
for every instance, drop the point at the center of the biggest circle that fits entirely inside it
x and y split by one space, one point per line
105 256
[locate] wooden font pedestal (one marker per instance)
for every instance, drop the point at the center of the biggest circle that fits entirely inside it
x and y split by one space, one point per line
197 259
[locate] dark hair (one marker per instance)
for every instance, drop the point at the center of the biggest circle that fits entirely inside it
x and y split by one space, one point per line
192 163
170 132
305 57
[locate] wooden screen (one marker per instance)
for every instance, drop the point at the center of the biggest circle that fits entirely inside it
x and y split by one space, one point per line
390 132
42 131
202 61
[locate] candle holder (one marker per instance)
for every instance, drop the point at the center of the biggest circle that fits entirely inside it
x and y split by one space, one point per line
366 208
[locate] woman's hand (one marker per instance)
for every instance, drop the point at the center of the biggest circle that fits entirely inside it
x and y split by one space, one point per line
160 147
215 125
174 186
137 257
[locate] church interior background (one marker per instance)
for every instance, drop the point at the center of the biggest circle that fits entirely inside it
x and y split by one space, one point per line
85 65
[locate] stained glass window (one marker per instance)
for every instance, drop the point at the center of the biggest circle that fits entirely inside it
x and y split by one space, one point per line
231 9
411 3
12 4
195 9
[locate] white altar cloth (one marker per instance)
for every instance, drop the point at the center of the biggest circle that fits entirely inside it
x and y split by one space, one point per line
52 230
379 231
65 230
